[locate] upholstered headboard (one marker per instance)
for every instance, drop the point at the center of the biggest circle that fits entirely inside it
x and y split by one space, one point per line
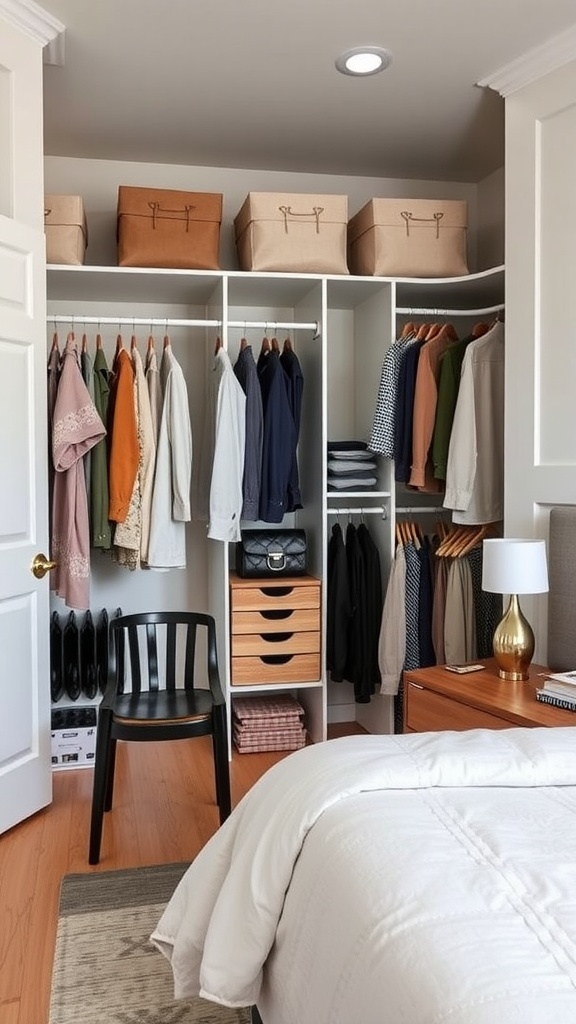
562 595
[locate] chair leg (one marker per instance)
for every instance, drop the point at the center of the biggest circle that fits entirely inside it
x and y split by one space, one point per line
99 789
110 775
221 764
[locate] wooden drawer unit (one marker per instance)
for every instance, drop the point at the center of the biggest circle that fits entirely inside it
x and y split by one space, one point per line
435 699
275 630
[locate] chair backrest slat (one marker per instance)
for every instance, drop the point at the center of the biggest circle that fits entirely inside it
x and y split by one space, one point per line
190 656
152 647
171 656
135 673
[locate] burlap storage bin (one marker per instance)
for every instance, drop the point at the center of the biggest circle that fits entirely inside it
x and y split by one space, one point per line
292 233
168 228
65 229
409 238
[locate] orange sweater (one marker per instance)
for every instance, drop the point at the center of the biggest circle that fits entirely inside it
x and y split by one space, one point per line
124 451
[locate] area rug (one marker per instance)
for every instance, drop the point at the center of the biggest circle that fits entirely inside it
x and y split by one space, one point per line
105 969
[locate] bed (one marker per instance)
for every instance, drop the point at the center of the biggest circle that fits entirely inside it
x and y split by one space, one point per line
425 878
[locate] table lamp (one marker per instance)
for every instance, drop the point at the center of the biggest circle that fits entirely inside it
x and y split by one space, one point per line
514 566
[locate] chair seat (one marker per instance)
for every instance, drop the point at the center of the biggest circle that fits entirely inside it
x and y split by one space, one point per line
163 707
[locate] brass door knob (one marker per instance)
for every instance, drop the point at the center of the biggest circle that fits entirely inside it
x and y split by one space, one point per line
41 565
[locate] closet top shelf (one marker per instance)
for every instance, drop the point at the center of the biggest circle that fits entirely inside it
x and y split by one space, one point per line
245 288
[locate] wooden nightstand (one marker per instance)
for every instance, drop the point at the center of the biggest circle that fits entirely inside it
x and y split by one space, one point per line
435 699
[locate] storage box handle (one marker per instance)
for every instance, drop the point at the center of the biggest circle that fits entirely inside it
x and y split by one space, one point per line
436 217
158 211
47 212
287 211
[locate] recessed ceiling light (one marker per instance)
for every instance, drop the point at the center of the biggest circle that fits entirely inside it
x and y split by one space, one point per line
363 60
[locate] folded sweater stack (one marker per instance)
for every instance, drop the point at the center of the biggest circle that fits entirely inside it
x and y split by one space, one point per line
268 723
351 466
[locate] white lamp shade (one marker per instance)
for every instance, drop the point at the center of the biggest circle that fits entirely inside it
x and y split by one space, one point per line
514 566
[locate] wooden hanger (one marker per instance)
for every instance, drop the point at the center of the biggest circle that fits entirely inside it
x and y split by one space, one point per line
84 343
265 347
98 341
54 341
119 344
166 342
287 347
218 345
275 345
473 541
151 344
433 331
243 344
133 343
422 331
399 538
408 329
479 329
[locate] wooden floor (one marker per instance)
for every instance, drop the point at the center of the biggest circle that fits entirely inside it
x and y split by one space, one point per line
163 812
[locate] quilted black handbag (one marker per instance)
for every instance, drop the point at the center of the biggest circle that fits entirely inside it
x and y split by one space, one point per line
269 553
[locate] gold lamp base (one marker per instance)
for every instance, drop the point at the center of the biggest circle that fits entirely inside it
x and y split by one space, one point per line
513 643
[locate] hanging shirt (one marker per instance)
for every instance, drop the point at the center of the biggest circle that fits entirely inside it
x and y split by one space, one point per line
279 443
77 427
383 425
170 508
339 611
224 450
392 637
154 391
99 496
424 414
475 471
147 453
247 374
123 446
291 366
459 617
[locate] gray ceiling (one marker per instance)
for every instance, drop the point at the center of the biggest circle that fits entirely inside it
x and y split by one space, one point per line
252 84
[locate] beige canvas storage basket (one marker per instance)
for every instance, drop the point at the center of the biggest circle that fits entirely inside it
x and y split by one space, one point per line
409 238
168 228
65 229
292 233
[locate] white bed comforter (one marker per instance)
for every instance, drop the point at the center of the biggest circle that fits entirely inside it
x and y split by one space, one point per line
450 866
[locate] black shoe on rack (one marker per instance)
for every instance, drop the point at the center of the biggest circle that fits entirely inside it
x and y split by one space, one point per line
71 658
102 640
56 663
88 678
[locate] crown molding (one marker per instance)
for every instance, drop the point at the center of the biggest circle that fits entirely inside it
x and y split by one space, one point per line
535 63
29 17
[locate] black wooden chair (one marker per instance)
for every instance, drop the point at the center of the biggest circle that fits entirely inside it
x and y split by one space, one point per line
151 695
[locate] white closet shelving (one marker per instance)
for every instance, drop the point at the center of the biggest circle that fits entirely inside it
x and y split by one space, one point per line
345 324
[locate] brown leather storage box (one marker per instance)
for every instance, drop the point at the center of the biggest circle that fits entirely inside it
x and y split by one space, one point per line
168 228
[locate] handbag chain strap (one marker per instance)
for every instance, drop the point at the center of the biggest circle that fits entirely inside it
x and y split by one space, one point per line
436 217
287 211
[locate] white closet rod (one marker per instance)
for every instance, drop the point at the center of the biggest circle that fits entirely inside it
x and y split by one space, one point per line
373 510
415 509
421 311
142 321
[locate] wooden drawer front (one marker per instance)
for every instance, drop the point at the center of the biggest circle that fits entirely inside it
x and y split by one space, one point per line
277 620
266 597
275 643
295 668
427 712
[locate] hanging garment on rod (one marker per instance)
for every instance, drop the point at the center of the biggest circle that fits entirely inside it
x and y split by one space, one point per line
76 429
170 508
424 412
295 380
475 468
101 536
279 440
247 374
220 497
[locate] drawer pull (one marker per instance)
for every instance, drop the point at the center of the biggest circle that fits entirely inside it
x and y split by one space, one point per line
275 638
415 685
276 591
276 659
277 613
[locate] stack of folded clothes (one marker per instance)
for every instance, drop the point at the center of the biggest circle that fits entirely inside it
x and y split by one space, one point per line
268 723
351 466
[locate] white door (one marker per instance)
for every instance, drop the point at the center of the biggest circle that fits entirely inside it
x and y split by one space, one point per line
25 769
